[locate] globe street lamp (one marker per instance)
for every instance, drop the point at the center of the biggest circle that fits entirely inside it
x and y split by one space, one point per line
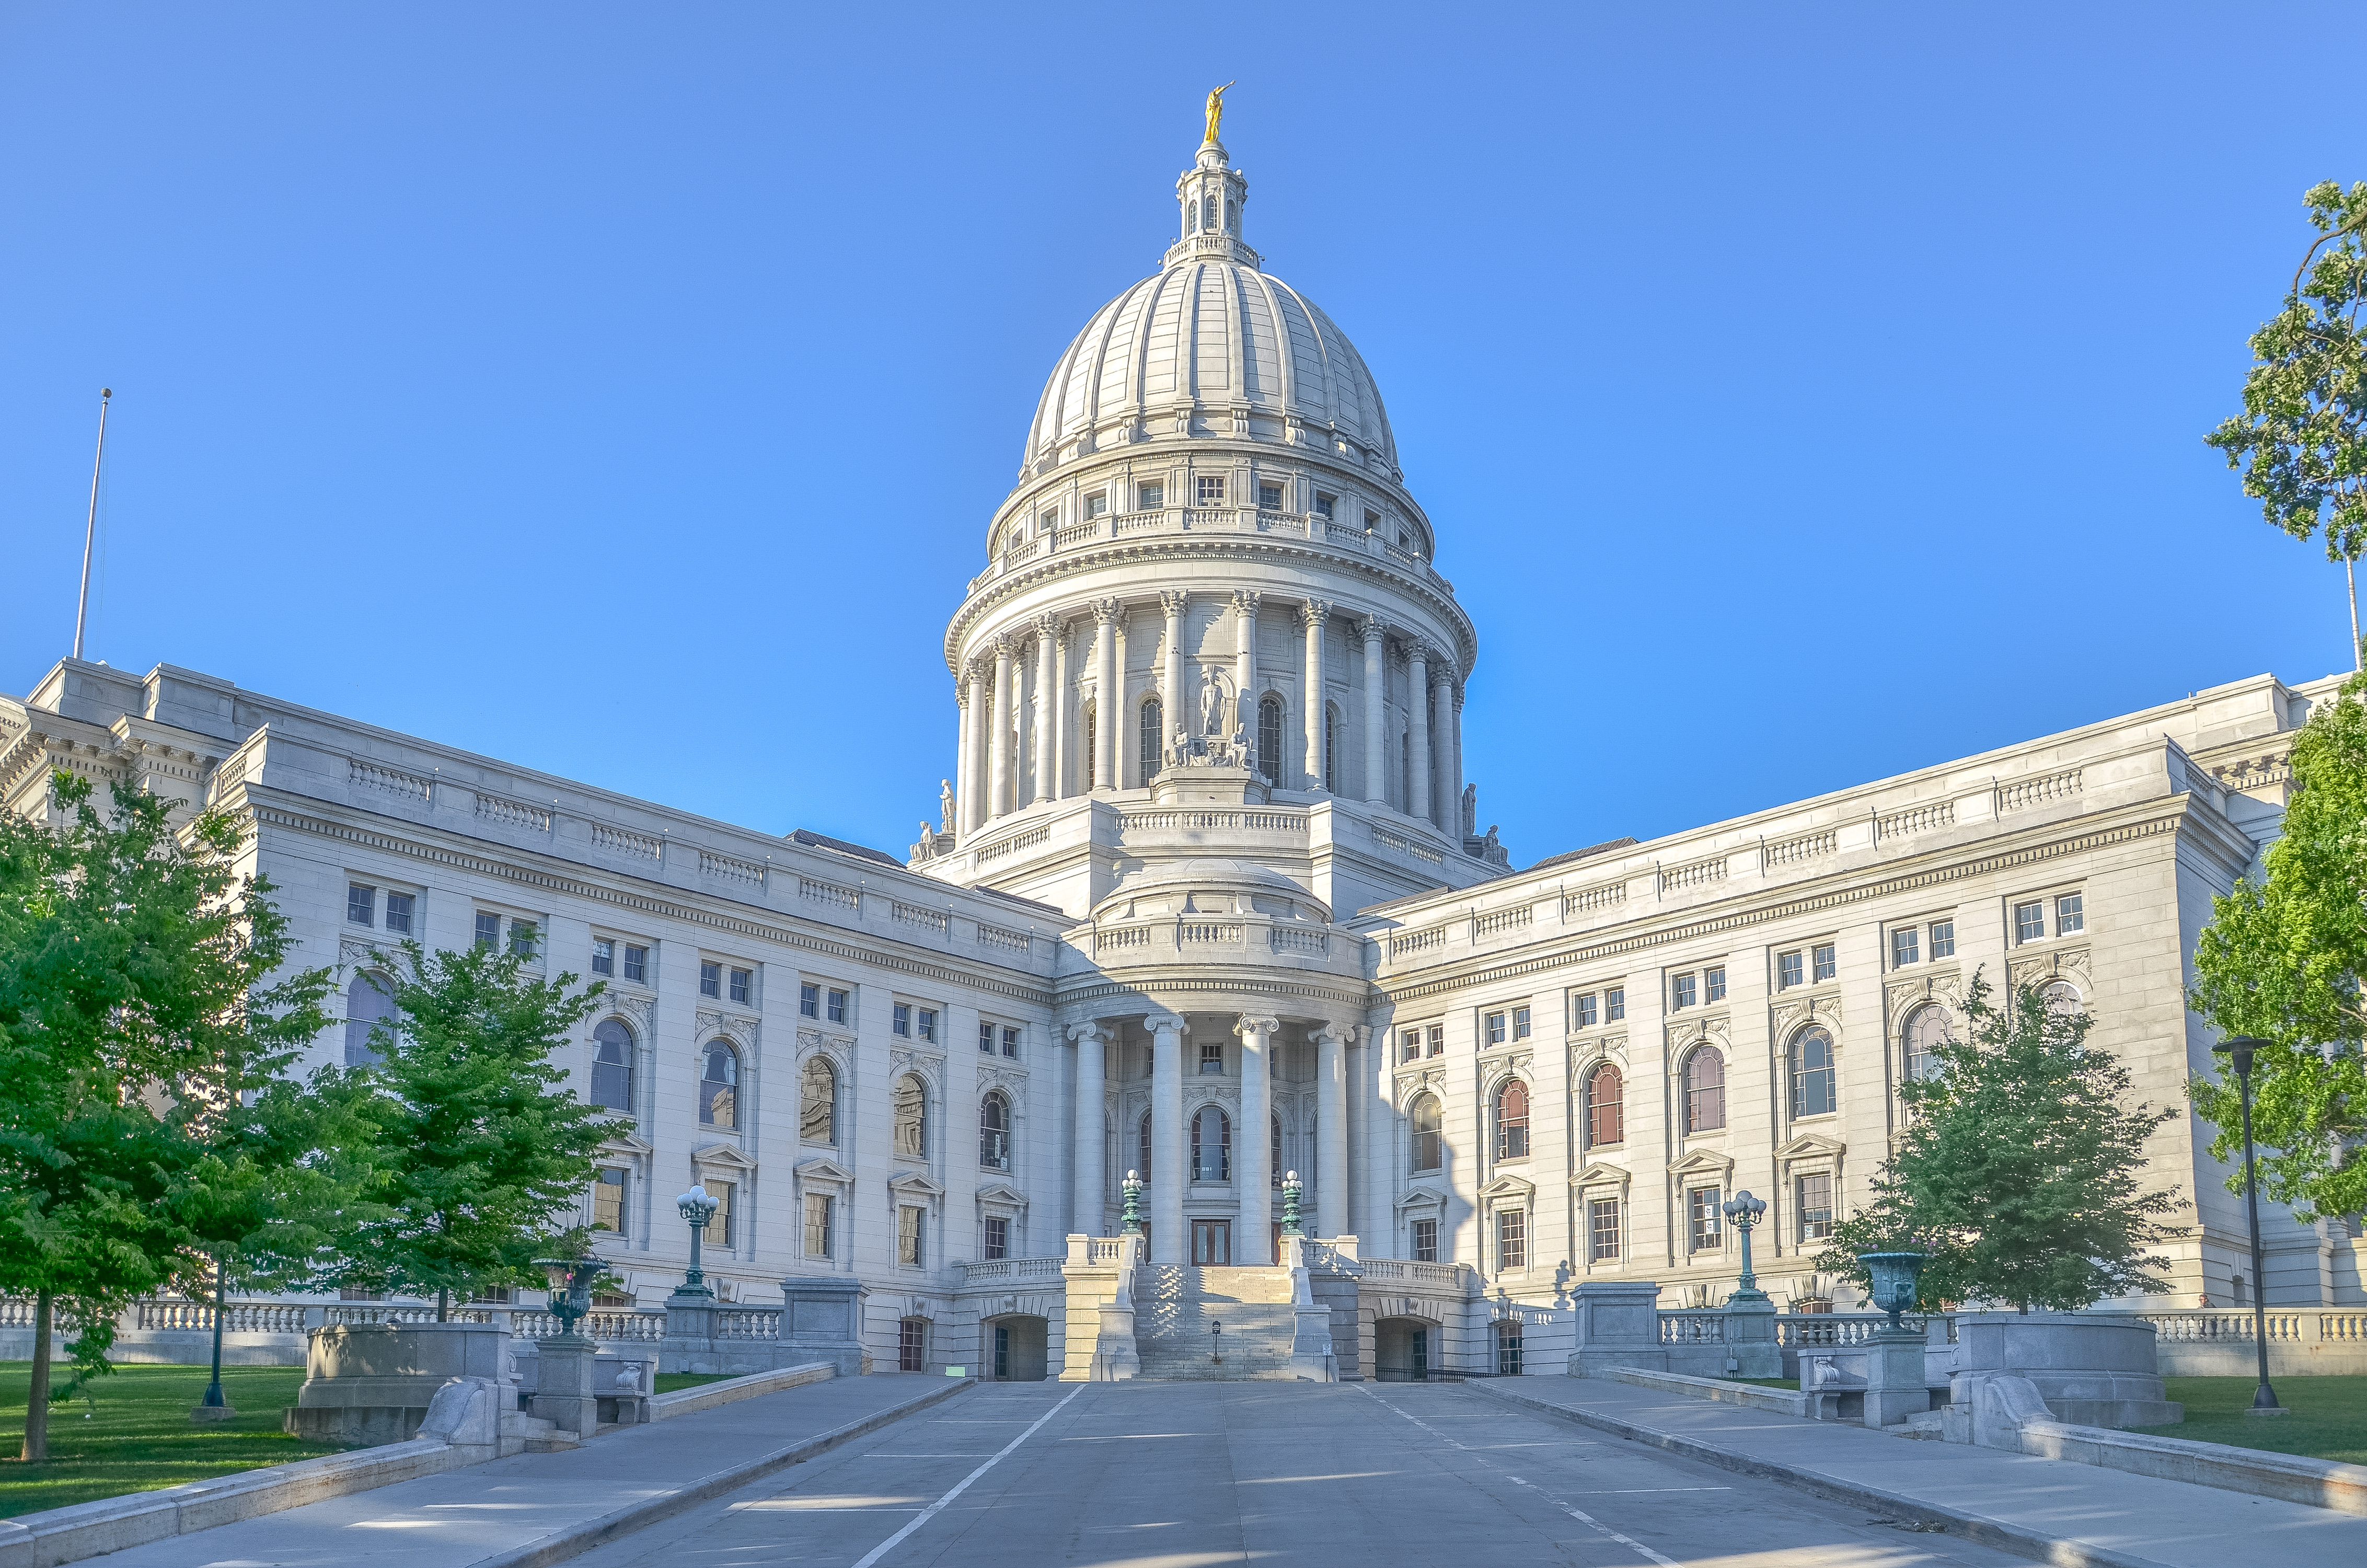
1744 1212
1132 1216
698 1206
1290 1191
2240 1048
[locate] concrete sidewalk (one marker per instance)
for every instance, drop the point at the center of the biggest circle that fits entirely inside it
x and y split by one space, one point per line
533 1509
2076 1516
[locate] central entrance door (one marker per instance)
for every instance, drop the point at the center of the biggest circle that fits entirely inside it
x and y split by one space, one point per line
1212 1244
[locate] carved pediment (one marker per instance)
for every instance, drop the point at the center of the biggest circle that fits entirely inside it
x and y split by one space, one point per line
913 1184
1421 1197
1810 1145
1600 1175
1003 1193
1704 1161
721 1157
628 1145
821 1169
1508 1187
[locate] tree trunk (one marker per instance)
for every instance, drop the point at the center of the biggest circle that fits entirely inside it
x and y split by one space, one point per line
443 1306
37 1394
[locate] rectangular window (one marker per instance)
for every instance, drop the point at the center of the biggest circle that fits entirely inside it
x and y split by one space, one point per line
1438 1039
1602 1229
1704 1223
524 935
837 1010
817 1225
908 1236
719 1230
1493 1029
1372 521
1426 1241
489 929
1212 1057
1047 522
1944 939
1011 1043
1150 497
1615 1005
361 904
2029 921
998 1238
711 979
1820 962
1520 1023
1512 1239
1507 1349
1324 504
1270 497
927 1026
1410 1046
1683 991
1713 984
911 1341
1582 1011
1097 504
1210 489
2069 915
604 956
399 906
742 982
1906 947
810 1001
608 1201
1813 1196
986 1038
1788 971
901 1022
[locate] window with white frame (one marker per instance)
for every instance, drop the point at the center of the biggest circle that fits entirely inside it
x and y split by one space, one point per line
1685 991
818 1225
1614 1004
1150 497
1209 489
1512 1239
998 1237
361 905
1602 1229
610 1193
1585 1010
907 1235
741 986
1270 497
1822 965
399 909
711 979
1704 1224
612 1065
604 956
1426 1241
1097 504
1812 1199
810 1001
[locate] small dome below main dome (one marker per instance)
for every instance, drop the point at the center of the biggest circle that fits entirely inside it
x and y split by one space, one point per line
1211 347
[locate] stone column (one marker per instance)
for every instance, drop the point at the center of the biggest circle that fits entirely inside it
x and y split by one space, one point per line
974 799
1253 1143
1170 690
1379 1236
1048 707
1167 1177
1417 729
1455 762
1333 1215
1245 612
1107 697
1448 796
1091 1146
1376 693
1312 617
962 765
997 777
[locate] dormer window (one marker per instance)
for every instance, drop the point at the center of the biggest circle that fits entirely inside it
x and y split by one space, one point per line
1097 504
1270 497
1324 504
1211 491
1150 497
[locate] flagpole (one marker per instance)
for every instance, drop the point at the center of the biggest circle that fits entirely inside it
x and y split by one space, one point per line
90 529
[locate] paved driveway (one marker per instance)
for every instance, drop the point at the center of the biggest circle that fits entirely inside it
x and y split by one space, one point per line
1178 1475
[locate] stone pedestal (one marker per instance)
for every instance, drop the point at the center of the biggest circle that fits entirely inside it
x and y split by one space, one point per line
1617 1325
821 1319
564 1394
1750 1348
1116 1357
1311 1354
367 1384
2092 1369
206 1415
1895 1385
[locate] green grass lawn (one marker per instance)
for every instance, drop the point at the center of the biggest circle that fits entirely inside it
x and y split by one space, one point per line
669 1381
1792 1384
2329 1419
133 1433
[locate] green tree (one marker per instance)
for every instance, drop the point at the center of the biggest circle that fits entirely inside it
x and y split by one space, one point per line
2301 442
138 1007
2018 1171
484 1147
2284 959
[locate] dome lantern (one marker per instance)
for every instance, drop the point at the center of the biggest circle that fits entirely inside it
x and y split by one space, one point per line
1210 196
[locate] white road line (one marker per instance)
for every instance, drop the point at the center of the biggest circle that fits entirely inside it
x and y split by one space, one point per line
885 1547
1588 1521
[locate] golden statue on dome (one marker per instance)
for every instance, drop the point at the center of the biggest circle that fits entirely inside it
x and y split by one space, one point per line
1216 110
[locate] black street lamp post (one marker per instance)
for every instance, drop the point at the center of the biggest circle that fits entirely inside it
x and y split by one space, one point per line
2240 1049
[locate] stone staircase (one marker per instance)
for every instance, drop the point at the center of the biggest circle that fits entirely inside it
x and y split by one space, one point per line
1176 1306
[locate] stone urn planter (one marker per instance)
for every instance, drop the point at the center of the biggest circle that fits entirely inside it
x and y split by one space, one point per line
368 1385
2092 1368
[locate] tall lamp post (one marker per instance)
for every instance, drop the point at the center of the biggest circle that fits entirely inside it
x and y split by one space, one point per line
697 1207
214 1407
2240 1049
1743 1212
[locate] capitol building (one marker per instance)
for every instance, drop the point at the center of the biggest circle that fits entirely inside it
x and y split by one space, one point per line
1205 897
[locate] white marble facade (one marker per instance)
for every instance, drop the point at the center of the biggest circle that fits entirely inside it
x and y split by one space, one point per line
1208 860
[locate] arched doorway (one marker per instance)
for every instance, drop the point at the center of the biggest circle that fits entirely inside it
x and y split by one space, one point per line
1016 1349
1404 1350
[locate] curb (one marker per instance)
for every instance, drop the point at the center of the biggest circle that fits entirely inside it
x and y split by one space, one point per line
1965 1525
577 1539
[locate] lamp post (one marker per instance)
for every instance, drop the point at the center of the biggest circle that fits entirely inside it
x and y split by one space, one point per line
1290 1191
214 1407
1744 1212
698 1206
1131 1216
2240 1049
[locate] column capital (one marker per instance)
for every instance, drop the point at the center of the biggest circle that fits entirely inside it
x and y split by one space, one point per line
1048 625
1417 651
1325 1029
1245 601
1442 674
1173 601
1106 610
1157 1022
1314 613
1371 629
1247 1025
961 690
1005 644
1092 1029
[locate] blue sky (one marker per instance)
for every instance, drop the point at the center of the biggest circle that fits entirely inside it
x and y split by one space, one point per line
1802 394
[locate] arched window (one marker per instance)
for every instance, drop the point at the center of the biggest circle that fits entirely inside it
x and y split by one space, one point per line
1212 1145
1424 1119
1606 1118
612 1066
1142 1166
1812 1073
1705 1076
1331 747
1153 738
1512 1121
818 1101
1093 740
2062 999
909 1106
1927 1030
719 1086
1274 1160
1270 739
994 1132
1208 214
365 1005
1232 216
